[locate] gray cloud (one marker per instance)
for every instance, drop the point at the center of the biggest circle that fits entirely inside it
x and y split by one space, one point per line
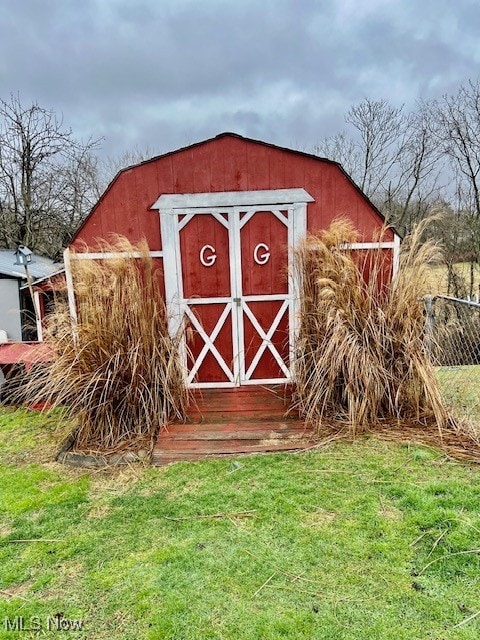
162 73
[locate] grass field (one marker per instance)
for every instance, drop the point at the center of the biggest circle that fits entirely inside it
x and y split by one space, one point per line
461 390
355 541
438 281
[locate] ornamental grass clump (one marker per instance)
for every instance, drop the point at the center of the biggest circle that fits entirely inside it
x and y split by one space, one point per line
117 371
362 358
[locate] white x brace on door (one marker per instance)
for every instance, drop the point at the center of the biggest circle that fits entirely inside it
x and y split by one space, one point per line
228 261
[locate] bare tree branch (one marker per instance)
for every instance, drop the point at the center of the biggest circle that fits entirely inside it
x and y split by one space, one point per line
48 180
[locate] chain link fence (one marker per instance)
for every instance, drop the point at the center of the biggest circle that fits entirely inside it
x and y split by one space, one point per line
453 332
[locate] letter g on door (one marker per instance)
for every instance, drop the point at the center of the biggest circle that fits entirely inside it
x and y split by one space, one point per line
264 257
210 259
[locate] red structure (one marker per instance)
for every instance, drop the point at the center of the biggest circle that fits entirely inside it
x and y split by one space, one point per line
223 217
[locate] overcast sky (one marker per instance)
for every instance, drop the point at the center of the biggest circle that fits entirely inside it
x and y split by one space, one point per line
165 73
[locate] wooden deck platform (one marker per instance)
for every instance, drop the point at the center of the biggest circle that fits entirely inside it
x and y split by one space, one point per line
232 422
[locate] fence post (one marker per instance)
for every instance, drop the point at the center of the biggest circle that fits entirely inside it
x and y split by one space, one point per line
430 323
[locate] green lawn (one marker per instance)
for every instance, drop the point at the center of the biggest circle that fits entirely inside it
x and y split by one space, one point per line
363 540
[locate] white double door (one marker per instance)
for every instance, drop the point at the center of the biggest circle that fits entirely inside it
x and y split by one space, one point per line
230 285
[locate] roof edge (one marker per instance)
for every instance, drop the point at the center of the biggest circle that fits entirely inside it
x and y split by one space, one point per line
219 136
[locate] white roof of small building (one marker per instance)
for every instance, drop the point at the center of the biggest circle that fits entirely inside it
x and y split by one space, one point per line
40 267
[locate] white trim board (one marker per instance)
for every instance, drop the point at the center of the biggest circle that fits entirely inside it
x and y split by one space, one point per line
67 254
38 309
396 255
368 245
110 255
260 198
395 245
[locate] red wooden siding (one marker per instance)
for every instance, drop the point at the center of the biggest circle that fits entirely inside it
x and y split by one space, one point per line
226 163
383 265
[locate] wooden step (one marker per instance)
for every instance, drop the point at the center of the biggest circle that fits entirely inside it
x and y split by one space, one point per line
231 422
240 415
233 438
247 403
232 430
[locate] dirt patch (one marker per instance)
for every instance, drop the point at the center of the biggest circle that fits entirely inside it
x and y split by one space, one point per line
390 512
192 486
6 528
319 518
68 575
118 483
98 511
18 590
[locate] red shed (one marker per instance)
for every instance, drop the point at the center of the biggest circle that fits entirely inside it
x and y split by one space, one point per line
224 216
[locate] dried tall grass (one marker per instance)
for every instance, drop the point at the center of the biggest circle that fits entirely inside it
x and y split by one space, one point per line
117 372
361 352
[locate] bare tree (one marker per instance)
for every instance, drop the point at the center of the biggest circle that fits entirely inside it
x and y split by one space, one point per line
415 185
48 180
382 131
455 123
378 140
455 126
108 167
344 150
392 157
